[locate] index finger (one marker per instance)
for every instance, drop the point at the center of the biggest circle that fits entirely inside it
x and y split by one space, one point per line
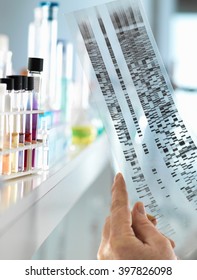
120 220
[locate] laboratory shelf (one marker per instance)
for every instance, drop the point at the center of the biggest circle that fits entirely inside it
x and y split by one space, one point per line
33 206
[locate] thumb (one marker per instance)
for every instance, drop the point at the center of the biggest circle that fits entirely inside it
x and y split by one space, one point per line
143 228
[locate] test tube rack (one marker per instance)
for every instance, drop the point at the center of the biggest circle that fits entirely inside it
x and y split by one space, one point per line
22 147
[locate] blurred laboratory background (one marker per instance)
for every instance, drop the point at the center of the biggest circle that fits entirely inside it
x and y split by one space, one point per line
64 122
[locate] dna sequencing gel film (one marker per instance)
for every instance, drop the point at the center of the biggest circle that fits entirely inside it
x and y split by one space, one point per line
156 152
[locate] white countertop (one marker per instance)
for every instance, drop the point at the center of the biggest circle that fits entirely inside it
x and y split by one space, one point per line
32 206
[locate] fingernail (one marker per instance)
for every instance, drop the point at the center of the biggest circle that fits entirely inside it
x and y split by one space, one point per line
117 176
140 208
152 219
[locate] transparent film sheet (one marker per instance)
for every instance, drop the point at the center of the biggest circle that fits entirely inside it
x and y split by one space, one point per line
154 149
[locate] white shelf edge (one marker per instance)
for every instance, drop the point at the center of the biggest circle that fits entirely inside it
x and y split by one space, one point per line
20 174
27 112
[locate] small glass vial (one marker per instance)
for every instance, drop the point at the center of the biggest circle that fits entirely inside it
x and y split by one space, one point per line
8 124
43 151
45 141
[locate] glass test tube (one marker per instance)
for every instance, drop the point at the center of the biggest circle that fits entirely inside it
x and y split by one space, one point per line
16 121
2 102
28 125
35 67
8 124
23 106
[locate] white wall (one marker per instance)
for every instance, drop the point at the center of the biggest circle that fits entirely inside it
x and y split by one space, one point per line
16 15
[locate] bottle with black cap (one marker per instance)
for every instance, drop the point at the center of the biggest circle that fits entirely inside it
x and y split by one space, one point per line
8 123
16 120
35 67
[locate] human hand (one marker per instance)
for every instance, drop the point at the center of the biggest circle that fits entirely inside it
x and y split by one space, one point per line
131 236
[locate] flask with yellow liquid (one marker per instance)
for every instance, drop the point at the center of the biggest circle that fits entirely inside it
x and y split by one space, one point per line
84 131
